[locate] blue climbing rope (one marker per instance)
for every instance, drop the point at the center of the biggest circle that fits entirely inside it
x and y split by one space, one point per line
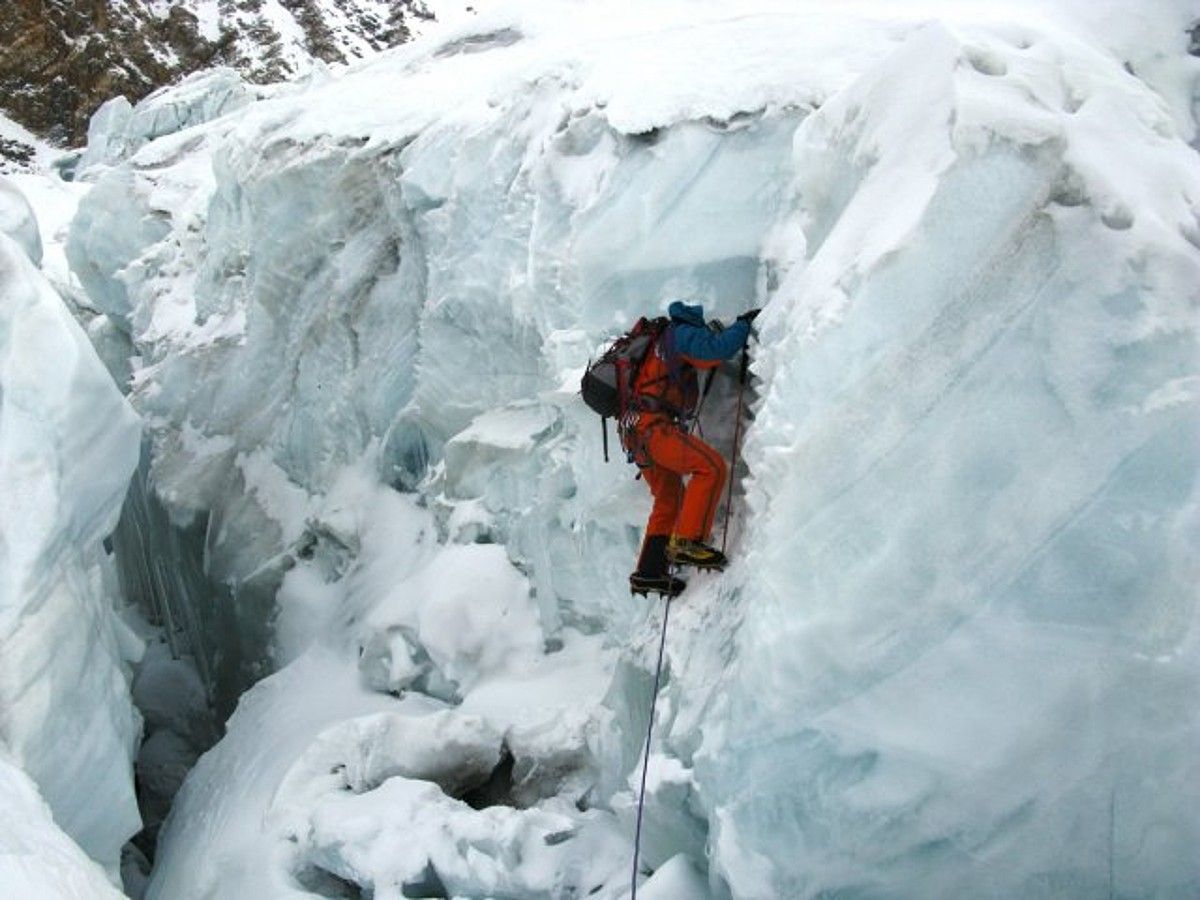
637 838
662 642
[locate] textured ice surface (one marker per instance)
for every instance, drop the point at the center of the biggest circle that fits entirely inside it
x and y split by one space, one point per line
972 614
957 651
55 201
402 703
18 221
68 442
118 129
675 879
36 859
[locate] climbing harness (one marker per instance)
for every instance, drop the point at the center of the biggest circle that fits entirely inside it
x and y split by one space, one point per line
737 433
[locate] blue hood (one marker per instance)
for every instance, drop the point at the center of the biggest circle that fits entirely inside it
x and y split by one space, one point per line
688 313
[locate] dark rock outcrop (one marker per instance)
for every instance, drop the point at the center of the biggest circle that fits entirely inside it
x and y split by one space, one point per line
60 59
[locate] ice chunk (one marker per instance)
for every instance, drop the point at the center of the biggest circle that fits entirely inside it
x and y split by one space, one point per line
18 221
511 742
469 611
676 879
408 834
106 132
216 841
68 443
118 129
170 696
458 752
328 741
36 858
55 202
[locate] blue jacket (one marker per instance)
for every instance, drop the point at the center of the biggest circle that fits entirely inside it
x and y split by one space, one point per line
666 385
692 338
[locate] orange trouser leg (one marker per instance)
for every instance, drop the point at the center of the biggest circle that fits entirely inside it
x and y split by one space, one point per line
670 449
667 489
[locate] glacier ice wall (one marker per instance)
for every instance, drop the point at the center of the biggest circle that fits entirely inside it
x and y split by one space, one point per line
68 443
971 633
955 653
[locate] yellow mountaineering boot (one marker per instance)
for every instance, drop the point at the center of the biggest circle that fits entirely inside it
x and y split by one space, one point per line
686 552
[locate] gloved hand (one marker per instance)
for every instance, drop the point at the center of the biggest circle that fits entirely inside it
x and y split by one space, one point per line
749 315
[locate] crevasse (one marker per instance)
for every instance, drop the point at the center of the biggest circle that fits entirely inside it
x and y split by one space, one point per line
955 652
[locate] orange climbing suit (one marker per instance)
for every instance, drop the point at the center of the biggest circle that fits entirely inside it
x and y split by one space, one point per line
667 453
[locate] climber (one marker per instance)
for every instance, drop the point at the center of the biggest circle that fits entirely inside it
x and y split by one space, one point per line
655 432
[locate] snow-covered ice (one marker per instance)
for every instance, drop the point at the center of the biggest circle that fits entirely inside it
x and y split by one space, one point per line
68 444
403 702
18 220
118 129
957 650
36 859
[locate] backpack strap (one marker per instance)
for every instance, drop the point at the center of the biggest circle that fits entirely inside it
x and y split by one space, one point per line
664 339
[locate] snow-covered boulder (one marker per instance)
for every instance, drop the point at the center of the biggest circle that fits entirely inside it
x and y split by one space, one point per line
68 444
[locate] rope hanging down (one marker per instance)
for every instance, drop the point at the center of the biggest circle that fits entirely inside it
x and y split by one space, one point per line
662 645
637 838
662 641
